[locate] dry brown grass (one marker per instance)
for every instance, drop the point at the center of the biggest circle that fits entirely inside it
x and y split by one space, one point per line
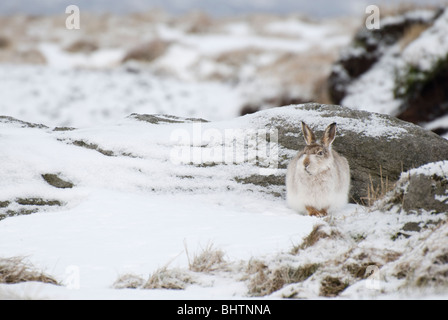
198 22
376 191
164 278
82 46
208 260
412 33
426 266
147 52
238 57
264 281
128 281
16 270
28 55
315 235
302 69
321 93
259 21
332 286
5 42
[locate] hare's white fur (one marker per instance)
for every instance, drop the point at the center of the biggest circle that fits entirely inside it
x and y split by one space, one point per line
318 176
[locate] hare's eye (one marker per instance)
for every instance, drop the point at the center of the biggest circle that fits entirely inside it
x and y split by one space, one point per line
320 153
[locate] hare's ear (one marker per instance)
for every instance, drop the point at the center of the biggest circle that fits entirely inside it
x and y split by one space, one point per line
308 134
329 135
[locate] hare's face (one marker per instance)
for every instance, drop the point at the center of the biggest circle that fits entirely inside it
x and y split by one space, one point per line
315 159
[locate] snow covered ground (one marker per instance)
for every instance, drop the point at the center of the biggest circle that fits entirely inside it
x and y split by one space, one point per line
114 222
135 209
136 205
210 73
113 233
68 97
134 212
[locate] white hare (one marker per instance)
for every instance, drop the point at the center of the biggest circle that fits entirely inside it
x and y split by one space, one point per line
318 178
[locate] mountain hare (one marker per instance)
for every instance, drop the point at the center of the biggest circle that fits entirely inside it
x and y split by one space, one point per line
318 178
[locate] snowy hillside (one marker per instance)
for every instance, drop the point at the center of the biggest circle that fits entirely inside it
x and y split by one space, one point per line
85 98
151 62
134 163
149 194
399 69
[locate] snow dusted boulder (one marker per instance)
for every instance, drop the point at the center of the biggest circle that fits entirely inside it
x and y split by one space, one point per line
424 188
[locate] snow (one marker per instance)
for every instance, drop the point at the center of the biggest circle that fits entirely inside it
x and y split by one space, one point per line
58 58
74 97
138 203
439 168
111 233
430 46
373 91
416 14
297 28
129 213
136 211
376 125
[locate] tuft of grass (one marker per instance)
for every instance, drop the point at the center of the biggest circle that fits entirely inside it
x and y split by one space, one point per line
267 281
315 235
377 191
164 278
332 286
208 260
16 270
128 281
359 271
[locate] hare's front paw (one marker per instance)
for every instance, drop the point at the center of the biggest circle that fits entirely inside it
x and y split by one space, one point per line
316 213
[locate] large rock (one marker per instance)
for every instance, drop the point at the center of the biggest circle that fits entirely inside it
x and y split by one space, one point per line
421 189
378 147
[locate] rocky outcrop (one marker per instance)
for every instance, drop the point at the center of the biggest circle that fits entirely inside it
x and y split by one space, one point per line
399 63
421 189
376 146
56 181
164 118
367 48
